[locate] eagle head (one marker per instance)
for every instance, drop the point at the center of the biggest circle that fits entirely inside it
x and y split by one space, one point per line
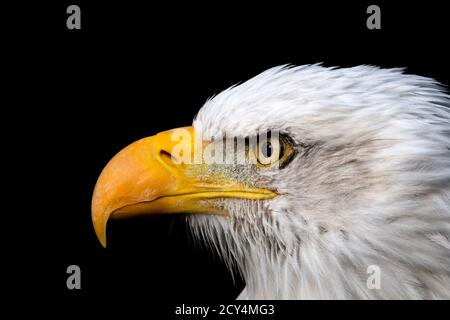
342 171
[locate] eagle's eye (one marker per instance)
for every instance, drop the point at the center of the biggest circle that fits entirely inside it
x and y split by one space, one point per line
273 148
266 148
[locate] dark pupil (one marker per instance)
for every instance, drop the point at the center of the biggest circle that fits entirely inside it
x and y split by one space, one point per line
267 149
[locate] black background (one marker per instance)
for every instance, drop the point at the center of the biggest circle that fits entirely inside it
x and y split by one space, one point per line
134 70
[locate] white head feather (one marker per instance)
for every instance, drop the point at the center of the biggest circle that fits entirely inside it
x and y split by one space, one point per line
371 186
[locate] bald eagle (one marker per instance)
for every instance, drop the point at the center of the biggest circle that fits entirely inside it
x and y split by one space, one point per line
361 181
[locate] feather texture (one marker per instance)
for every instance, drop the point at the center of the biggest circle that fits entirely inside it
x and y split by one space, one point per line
370 185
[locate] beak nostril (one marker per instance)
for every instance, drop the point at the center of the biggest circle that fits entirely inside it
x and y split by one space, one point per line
167 157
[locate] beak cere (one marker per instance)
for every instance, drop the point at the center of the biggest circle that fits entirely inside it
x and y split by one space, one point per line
147 177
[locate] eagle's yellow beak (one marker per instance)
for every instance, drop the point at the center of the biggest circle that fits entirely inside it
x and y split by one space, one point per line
147 177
